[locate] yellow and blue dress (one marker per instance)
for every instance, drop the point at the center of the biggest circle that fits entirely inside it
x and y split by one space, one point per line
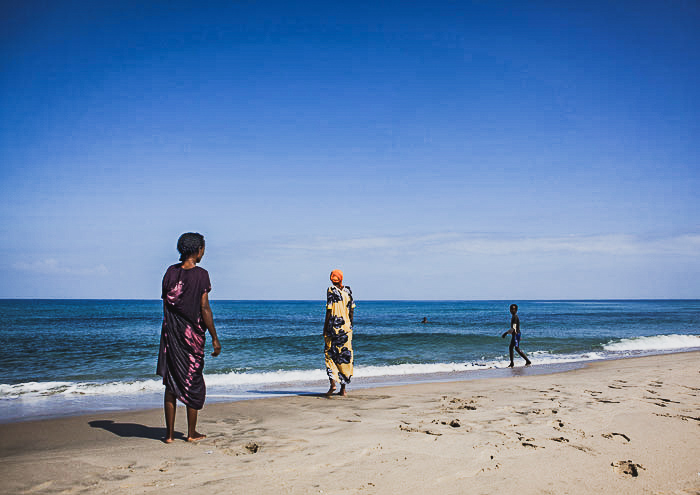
338 334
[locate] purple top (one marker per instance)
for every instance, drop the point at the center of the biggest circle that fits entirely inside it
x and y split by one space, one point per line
183 289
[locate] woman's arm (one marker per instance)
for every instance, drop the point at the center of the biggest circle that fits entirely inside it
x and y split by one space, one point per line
328 317
208 318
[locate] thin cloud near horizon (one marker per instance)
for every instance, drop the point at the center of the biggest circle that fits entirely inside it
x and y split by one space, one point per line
687 244
52 266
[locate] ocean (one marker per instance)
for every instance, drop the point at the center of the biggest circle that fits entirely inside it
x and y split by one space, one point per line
65 357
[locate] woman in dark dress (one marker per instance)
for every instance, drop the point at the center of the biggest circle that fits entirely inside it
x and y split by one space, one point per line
186 315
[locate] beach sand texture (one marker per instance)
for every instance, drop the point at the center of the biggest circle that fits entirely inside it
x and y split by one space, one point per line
624 426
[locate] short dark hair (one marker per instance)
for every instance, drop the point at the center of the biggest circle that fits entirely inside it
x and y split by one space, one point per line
514 306
188 244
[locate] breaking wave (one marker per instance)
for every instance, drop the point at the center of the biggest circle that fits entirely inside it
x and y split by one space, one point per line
655 343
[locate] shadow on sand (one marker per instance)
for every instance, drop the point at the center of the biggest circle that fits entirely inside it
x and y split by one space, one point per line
287 392
132 430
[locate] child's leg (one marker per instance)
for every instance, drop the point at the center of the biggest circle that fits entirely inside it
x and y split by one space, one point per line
510 351
522 355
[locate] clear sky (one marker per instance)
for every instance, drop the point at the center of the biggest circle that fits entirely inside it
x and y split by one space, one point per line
432 150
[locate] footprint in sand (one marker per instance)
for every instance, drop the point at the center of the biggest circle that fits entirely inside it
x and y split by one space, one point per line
527 442
249 448
619 384
457 403
679 416
560 440
627 467
417 430
560 426
613 435
252 447
663 403
551 398
165 466
454 423
349 420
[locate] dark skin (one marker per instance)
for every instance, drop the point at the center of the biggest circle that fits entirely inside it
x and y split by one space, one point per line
169 400
332 387
513 311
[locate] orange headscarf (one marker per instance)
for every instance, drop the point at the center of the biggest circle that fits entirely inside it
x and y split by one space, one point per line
337 277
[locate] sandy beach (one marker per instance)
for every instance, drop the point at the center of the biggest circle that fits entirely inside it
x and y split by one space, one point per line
624 426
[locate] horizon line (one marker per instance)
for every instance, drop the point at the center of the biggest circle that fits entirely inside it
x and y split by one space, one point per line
362 300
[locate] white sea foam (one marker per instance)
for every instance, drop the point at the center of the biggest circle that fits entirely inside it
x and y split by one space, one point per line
246 381
655 343
269 377
39 388
243 381
78 388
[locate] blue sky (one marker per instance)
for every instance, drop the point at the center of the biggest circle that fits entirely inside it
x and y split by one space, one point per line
437 150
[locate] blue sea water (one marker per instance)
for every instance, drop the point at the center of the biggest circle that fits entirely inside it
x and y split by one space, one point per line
73 356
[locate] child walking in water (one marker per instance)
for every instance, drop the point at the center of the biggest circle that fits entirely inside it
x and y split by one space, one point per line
515 336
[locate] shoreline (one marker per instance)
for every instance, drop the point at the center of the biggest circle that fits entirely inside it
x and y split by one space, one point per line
18 410
63 407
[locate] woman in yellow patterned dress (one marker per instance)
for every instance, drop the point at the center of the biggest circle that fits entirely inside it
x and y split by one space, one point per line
337 333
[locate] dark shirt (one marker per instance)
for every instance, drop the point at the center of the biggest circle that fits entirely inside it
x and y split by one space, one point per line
183 289
515 322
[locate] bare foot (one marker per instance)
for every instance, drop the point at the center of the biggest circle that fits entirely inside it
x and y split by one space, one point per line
511 365
330 391
167 440
528 362
342 392
196 437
